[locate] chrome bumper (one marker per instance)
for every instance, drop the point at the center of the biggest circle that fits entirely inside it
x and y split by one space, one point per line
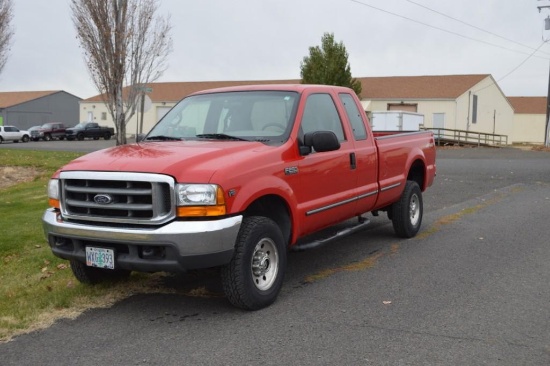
188 244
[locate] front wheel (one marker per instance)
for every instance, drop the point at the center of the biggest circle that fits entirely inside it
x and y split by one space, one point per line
80 136
406 214
25 138
254 277
93 275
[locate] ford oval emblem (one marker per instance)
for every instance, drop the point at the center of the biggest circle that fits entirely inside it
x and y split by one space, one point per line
103 199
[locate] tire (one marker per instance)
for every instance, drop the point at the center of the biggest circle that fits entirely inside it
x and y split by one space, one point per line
254 277
406 214
25 138
47 137
80 136
107 136
92 275
1 139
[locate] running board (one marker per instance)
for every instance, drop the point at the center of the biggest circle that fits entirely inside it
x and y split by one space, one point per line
363 222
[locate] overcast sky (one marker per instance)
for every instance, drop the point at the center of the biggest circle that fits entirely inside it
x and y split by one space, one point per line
267 39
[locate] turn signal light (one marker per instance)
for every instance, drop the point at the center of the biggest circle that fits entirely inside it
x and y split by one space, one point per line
54 203
200 211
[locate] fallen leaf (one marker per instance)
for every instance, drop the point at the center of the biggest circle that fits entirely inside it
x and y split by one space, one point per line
386 302
62 266
70 284
44 269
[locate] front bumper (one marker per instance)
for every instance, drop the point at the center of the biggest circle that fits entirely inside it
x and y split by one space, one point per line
37 135
174 247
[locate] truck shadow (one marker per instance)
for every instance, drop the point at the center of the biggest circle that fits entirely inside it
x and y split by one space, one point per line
203 287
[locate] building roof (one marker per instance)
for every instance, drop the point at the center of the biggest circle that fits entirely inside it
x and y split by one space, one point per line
418 87
528 105
9 99
394 87
175 91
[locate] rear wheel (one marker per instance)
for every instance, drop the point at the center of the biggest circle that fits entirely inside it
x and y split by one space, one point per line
107 136
92 275
47 137
406 214
254 277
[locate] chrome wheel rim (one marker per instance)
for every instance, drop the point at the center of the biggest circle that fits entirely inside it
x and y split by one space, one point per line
265 264
414 210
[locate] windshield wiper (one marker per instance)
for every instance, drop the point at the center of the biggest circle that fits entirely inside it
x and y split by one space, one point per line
220 136
163 138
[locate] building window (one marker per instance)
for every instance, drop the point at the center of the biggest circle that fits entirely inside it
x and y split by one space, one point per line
474 109
103 116
405 107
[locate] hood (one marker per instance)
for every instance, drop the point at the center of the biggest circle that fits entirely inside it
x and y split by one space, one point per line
187 161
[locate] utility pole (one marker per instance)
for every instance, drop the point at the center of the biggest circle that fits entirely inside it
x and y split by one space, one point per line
547 129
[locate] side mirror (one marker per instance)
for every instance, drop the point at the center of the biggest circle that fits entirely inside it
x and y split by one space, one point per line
321 141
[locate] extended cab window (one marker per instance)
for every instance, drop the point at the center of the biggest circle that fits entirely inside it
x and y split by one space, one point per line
320 114
354 116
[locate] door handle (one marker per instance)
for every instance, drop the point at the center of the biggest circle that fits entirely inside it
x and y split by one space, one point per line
352 161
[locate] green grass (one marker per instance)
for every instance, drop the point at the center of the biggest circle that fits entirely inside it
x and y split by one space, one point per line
36 288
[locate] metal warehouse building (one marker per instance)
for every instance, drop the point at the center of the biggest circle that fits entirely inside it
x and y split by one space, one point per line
33 108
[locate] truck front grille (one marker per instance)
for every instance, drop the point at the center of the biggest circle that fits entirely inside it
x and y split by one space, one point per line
113 197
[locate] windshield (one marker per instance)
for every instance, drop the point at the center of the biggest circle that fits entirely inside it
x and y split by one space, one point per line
250 115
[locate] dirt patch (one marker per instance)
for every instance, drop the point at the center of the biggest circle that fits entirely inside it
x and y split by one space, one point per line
12 175
540 148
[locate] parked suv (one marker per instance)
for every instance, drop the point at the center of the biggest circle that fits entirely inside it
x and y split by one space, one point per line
11 133
49 131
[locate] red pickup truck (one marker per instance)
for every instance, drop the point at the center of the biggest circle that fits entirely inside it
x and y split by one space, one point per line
236 177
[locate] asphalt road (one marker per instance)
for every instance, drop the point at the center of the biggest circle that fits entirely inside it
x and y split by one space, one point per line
471 289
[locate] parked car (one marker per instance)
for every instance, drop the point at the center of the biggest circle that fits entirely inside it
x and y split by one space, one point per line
49 131
34 133
89 130
11 133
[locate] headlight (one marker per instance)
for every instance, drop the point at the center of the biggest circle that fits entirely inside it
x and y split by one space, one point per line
196 194
53 193
53 189
200 200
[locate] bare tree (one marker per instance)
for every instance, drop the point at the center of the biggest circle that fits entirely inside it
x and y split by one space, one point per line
125 48
6 32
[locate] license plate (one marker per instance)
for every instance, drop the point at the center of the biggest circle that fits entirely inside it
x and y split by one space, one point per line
100 257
